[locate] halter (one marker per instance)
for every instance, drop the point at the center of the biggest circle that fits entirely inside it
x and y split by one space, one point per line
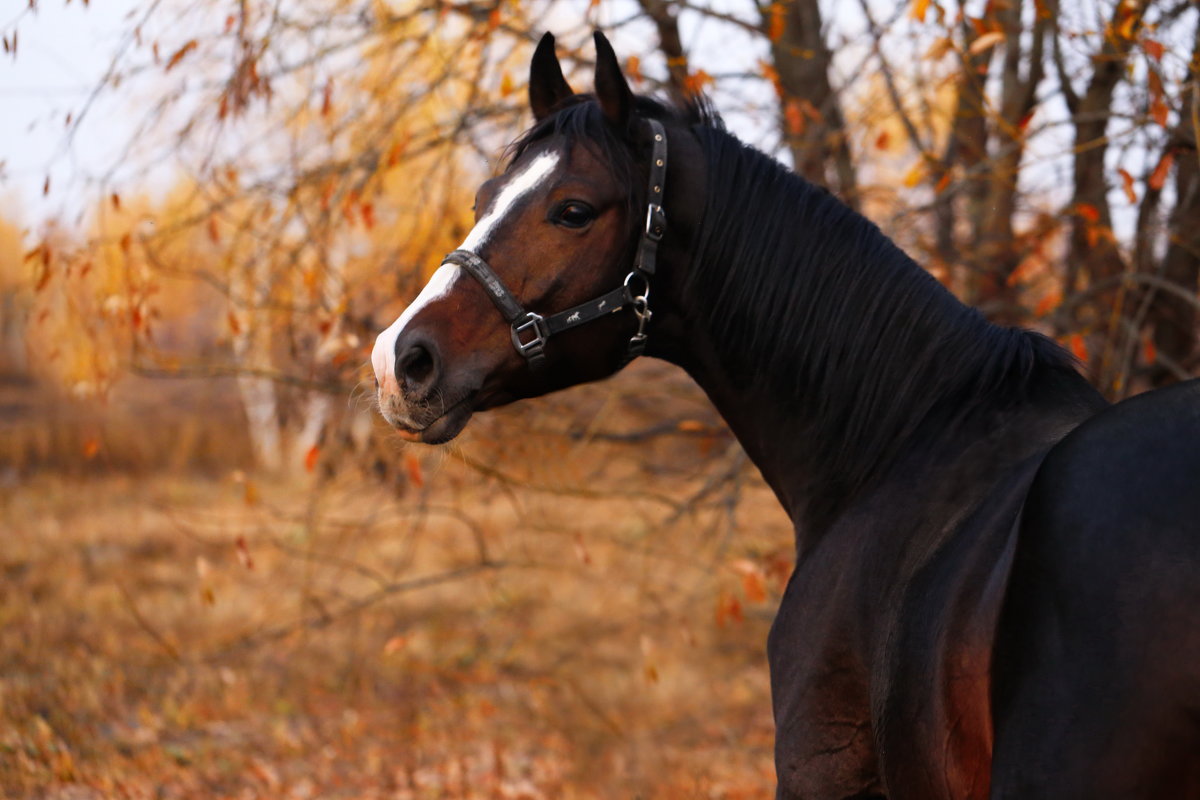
530 331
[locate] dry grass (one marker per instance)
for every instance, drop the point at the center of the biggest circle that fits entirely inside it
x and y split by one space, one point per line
541 617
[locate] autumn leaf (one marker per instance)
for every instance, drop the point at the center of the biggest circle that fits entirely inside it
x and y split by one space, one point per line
1159 177
179 54
506 84
327 98
1078 347
412 466
985 42
775 21
91 447
915 174
729 609
882 140
1051 301
939 48
1149 349
633 69
697 82
1153 49
243 553
919 9
581 551
1127 185
794 117
311 458
1088 211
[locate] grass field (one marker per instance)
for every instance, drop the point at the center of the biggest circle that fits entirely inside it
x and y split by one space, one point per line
533 617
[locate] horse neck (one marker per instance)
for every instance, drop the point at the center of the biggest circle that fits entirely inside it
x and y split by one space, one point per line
827 350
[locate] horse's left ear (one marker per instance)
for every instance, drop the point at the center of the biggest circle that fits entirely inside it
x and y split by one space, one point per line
547 86
612 91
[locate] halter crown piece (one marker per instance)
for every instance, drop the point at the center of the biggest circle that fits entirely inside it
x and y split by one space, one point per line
530 331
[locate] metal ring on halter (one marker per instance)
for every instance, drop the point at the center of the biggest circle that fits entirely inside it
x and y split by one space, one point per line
645 295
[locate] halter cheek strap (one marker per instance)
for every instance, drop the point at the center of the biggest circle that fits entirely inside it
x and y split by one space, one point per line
530 330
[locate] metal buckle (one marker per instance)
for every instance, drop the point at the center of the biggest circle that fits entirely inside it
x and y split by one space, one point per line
656 222
534 346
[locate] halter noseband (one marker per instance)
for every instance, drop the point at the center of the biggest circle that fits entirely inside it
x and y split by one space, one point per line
530 331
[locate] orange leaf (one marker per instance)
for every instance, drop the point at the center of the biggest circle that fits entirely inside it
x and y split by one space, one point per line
939 48
1078 347
915 174
794 117
116 201
91 447
1088 212
1127 184
729 608
633 68
697 81
919 7
1149 349
944 181
1051 301
581 552
327 98
775 22
213 232
179 54
1159 111
753 581
234 326
412 466
1153 49
394 644
506 84
243 553
1159 176
250 493
882 140
311 458
368 215
985 42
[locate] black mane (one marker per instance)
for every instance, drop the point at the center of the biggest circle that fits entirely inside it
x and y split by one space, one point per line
810 296
807 296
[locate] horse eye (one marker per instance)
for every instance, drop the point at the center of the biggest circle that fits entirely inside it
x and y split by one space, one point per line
574 214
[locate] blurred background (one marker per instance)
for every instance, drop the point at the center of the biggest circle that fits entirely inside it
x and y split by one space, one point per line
220 576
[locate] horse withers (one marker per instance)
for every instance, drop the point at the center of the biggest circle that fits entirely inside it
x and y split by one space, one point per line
997 588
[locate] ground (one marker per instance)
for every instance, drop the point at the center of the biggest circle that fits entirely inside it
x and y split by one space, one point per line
463 632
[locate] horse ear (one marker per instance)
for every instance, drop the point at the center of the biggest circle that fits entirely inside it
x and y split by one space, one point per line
611 89
547 86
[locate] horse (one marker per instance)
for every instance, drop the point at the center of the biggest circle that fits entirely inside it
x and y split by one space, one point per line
996 586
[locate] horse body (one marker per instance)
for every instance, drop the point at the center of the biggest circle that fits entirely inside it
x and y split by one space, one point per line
978 537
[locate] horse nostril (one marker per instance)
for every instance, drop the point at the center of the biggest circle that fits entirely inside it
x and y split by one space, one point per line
417 369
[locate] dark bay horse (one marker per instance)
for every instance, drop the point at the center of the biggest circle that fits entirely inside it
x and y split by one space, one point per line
997 589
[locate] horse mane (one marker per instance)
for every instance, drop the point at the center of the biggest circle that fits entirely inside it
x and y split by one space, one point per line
805 295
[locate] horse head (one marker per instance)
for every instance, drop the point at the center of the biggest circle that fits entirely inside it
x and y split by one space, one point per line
551 287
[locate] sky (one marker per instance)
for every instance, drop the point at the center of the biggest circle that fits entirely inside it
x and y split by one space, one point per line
63 51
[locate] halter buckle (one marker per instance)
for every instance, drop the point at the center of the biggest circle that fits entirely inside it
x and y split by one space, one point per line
531 348
656 222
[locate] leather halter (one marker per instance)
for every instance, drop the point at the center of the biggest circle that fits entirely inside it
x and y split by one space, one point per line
530 331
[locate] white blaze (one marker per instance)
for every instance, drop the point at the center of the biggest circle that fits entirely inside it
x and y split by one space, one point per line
383 355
